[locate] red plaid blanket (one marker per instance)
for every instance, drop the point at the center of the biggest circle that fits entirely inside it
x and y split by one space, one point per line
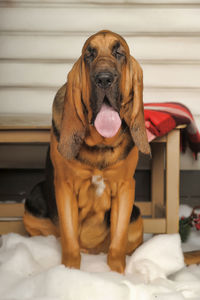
160 118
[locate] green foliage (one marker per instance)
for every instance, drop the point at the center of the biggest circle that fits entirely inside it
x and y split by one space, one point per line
185 225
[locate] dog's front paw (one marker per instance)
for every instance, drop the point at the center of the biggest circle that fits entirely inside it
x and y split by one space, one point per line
71 260
116 261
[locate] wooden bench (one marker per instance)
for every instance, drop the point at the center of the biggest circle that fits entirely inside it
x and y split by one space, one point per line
161 214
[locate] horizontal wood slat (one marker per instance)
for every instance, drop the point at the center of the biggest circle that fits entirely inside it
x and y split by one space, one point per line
26 156
38 100
26 100
12 226
178 20
186 96
25 121
25 136
33 74
154 225
39 3
11 210
53 75
145 208
68 47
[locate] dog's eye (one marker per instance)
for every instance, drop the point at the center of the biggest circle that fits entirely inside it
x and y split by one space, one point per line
90 54
118 54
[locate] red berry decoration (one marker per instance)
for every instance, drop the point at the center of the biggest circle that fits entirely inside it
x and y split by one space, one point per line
186 223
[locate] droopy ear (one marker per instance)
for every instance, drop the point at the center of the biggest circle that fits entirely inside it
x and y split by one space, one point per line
73 126
133 110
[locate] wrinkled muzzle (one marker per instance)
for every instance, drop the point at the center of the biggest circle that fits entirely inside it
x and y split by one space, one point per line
105 100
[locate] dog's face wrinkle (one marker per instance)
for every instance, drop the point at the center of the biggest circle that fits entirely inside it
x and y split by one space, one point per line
104 60
56 131
85 110
113 97
90 54
103 151
96 102
118 52
100 148
111 92
110 97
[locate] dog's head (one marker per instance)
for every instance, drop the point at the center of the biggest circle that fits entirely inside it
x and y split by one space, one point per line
104 88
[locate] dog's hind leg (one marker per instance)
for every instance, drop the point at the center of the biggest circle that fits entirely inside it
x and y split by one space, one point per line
39 226
36 217
40 206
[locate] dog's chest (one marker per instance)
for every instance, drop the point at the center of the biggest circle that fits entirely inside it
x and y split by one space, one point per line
102 156
93 197
99 184
93 201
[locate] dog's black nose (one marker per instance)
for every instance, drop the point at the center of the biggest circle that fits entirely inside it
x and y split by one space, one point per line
104 79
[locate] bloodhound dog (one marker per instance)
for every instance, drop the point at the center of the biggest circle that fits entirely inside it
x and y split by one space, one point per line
97 131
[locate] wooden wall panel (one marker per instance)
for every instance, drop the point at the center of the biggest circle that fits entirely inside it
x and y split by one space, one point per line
67 47
40 40
91 18
39 74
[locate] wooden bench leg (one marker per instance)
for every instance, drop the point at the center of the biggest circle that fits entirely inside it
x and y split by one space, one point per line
172 181
157 180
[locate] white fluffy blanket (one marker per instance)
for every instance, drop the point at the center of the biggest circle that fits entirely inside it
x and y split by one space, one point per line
30 269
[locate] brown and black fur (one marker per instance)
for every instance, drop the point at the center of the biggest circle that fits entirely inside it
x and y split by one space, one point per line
88 196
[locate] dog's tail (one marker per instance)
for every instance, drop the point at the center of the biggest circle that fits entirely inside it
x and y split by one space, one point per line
192 257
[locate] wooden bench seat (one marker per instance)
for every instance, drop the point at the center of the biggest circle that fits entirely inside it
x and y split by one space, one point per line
161 214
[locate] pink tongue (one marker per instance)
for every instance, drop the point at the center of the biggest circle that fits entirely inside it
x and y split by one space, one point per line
107 121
